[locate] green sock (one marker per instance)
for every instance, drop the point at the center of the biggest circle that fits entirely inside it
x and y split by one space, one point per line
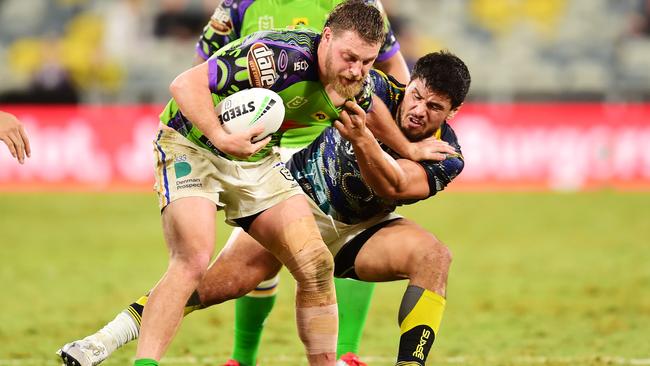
145 362
250 316
354 302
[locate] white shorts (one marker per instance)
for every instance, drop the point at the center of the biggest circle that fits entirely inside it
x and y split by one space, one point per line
287 152
336 233
241 189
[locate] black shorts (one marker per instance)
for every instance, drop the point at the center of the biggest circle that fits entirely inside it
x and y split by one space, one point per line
344 259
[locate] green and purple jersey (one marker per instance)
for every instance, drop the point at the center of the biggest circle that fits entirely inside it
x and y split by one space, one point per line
282 61
233 19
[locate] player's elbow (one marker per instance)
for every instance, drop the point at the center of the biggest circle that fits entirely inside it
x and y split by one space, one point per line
385 192
178 86
393 190
391 194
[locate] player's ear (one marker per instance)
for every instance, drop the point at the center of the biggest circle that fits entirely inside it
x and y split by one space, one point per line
327 34
453 112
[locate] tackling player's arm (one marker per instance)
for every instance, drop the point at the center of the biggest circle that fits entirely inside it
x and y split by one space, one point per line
191 91
387 177
382 125
378 169
399 179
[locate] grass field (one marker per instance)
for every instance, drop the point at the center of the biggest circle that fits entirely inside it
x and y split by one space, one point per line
537 279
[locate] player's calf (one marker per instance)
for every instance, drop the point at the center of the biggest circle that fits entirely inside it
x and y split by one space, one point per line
423 303
316 310
297 243
312 266
420 315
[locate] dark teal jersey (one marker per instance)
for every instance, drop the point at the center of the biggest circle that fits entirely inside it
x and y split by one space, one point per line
328 172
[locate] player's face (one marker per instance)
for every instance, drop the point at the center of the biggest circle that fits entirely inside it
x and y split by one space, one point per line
348 61
423 111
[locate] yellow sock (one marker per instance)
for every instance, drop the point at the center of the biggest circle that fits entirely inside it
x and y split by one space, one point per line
135 309
193 303
420 316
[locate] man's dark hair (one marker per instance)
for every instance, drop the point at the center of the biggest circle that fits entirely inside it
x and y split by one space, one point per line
359 17
443 72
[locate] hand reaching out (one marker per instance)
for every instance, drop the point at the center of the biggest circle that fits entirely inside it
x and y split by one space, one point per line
13 135
431 149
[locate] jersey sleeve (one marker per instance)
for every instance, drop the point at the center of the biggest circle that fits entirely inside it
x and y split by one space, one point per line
440 174
378 83
224 27
266 59
388 89
242 64
364 98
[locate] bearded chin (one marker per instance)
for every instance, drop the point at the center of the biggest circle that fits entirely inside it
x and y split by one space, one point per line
347 91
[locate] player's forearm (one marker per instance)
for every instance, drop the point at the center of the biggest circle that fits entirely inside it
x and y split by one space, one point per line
191 92
387 131
382 125
380 171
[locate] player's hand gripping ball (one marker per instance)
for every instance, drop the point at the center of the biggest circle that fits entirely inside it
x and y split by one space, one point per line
251 108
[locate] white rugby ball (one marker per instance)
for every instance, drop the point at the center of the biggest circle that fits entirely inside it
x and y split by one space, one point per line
250 108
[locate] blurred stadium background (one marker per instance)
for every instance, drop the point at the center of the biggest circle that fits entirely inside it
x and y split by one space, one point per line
549 223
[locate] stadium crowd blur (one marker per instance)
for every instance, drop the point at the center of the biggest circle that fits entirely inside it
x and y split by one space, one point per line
128 51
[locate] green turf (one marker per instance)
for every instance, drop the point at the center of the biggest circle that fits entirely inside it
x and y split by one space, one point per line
537 279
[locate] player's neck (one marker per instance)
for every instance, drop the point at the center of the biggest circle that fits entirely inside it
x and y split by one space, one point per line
335 97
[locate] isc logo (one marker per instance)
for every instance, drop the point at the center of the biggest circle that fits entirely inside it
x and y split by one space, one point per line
261 67
300 65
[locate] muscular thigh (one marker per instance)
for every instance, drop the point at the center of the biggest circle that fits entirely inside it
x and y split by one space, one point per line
388 254
180 221
286 228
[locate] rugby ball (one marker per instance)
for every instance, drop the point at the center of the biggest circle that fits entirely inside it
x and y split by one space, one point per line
250 108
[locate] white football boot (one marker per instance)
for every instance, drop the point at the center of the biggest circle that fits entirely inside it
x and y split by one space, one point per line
86 352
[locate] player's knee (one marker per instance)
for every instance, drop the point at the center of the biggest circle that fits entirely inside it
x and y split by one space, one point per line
313 268
444 254
434 254
191 267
